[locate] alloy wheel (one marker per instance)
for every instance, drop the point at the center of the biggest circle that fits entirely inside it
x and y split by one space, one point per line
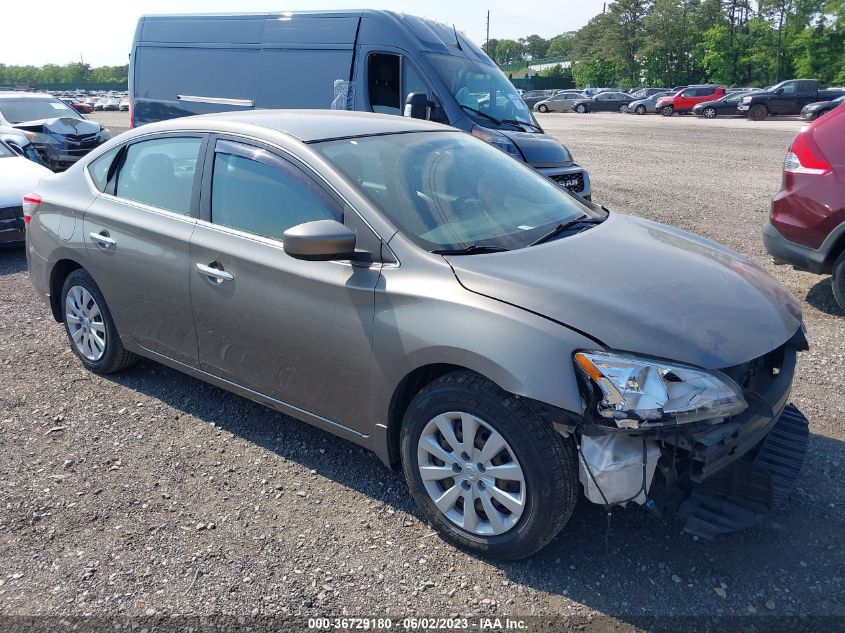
640 109
85 323
471 474
709 113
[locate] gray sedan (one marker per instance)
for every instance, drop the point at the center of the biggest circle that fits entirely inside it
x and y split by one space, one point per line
647 105
411 288
561 102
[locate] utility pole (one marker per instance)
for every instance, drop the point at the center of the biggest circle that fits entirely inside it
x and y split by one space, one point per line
487 42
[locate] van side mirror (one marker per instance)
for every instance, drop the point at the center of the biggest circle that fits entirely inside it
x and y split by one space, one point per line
321 240
417 106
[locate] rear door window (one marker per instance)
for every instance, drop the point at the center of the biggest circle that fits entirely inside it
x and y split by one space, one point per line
255 191
99 169
160 173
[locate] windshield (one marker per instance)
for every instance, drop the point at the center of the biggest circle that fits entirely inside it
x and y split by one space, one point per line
482 88
446 190
21 110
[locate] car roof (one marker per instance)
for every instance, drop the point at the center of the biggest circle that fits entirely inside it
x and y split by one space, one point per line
308 126
16 94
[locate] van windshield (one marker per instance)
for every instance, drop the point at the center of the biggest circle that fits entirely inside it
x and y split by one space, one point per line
483 91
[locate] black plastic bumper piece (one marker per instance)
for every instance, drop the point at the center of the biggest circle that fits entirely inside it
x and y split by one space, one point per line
743 494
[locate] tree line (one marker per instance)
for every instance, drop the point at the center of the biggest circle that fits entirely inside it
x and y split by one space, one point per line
75 73
677 42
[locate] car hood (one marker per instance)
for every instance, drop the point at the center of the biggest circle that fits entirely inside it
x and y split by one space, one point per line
61 126
644 287
540 150
18 176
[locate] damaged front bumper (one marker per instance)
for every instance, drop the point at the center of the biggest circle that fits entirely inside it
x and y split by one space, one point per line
718 478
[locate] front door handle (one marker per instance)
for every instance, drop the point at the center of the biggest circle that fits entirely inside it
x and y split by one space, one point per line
215 274
102 238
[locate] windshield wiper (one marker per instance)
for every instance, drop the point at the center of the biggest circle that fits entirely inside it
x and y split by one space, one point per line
484 114
472 249
565 226
518 122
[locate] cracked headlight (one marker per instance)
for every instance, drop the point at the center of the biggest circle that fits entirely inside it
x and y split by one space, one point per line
642 392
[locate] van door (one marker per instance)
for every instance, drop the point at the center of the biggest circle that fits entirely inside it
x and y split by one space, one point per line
385 78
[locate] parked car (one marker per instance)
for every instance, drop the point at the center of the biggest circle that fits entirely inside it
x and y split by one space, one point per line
124 104
561 102
533 97
807 222
787 97
645 93
58 133
19 142
18 176
813 111
686 99
112 104
603 102
647 105
408 287
173 73
726 106
79 106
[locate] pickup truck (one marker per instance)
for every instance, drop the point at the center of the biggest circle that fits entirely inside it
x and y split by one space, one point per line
787 97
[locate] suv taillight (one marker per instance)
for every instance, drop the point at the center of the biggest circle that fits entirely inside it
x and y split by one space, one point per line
805 157
30 206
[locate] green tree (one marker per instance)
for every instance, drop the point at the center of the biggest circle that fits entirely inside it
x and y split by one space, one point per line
509 51
535 46
560 45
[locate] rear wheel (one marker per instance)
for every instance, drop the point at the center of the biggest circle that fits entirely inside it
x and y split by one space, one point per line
640 109
580 108
89 325
623 108
490 475
839 280
758 112
543 107
709 113
667 110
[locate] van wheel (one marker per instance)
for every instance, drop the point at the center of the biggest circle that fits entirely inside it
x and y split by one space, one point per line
839 280
89 325
543 107
489 474
758 112
580 108
640 109
667 110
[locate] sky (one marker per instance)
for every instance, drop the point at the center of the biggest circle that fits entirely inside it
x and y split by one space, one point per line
101 31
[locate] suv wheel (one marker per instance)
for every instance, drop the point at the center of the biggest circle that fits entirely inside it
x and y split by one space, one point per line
709 113
758 112
667 110
90 327
839 280
543 107
580 108
489 474
640 109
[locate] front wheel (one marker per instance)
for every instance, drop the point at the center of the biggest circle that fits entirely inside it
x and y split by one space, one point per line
709 113
489 474
623 108
839 280
581 108
640 109
89 325
758 113
667 110
543 107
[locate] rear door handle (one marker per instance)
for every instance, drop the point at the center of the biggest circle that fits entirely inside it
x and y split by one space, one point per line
102 238
215 273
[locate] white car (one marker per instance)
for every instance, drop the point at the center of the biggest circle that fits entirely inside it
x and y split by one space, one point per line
18 176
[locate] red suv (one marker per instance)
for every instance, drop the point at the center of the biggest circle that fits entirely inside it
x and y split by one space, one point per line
807 222
685 100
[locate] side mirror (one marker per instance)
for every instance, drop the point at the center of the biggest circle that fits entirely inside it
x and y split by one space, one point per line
416 105
321 240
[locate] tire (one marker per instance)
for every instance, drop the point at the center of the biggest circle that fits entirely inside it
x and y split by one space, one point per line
709 113
545 460
580 108
667 110
758 113
623 109
640 109
839 280
86 315
543 107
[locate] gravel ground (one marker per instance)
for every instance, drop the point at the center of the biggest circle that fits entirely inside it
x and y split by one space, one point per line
151 492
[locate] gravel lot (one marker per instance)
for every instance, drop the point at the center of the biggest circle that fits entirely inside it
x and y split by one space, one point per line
151 492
